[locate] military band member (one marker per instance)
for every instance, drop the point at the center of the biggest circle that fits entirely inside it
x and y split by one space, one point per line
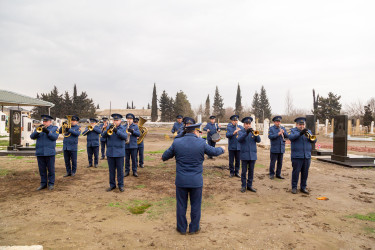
103 140
301 154
277 135
189 152
70 146
140 150
115 152
93 142
132 147
186 122
248 141
212 128
233 145
178 125
45 152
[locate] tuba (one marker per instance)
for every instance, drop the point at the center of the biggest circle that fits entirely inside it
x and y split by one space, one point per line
142 129
67 125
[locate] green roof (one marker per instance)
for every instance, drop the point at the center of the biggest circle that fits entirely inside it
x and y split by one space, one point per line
8 98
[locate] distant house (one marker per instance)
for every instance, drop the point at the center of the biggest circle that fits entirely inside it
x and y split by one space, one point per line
144 113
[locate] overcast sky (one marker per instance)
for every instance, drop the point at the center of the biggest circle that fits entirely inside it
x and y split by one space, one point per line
116 50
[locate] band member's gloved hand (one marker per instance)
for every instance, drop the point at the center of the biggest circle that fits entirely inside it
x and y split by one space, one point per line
248 131
303 131
67 130
131 130
114 130
45 130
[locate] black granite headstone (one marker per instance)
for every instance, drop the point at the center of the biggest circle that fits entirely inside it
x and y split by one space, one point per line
340 138
15 128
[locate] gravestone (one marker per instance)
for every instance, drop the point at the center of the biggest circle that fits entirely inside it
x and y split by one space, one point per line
266 125
357 129
326 128
350 129
317 127
340 147
199 118
3 124
15 128
26 131
372 127
332 124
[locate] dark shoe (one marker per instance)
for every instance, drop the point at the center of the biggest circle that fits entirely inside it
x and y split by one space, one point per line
183 233
280 177
95 166
135 174
195 231
294 190
73 174
243 190
141 166
50 187
67 175
90 166
122 189
231 175
41 187
237 175
126 174
110 189
252 189
304 191
272 177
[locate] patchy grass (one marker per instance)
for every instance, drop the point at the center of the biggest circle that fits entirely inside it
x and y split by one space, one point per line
368 217
369 230
258 165
103 164
30 161
149 158
155 152
4 143
140 186
115 204
161 207
16 157
138 206
4 172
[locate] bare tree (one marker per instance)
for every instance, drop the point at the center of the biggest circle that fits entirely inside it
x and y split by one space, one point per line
371 102
288 103
354 110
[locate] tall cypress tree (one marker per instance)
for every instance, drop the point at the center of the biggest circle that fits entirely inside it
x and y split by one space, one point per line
154 106
238 107
218 105
255 106
164 106
264 104
207 110
182 105
127 105
367 117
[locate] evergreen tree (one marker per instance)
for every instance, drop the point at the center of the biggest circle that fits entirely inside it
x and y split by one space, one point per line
265 107
154 106
207 110
97 106
75 101
127 105
148 106
133 107
182 105
170 109
367 117
238 106
164 107
218 105
255 106
68 104
328 107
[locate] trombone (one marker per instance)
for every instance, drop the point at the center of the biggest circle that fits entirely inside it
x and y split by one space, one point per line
309 136
40 129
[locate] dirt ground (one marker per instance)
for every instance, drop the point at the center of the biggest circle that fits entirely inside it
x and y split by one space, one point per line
80 214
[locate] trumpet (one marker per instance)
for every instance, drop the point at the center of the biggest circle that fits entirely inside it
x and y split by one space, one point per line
310 136
89 129
255 132
110 130
40 129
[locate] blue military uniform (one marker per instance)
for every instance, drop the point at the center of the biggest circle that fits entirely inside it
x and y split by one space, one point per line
115 154
189 152
300 154
93 143
186 121
45 153
132 147
248 154
140 150
103 140
70 147
214 128
277 148
233 147
177 127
